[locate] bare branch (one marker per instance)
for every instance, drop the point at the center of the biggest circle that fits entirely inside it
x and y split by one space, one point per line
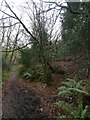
18 48
4 18
7 14
21 22
9 25
60 5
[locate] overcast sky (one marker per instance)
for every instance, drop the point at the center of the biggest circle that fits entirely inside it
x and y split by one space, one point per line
16 7
20 11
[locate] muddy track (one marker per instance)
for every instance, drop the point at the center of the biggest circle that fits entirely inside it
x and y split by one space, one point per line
19 102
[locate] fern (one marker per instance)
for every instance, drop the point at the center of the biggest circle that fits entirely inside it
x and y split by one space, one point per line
62 88
69 87
80 105
27 75
78 91
64 105
83 114
70 82
67 107
78 85
65 92
62 116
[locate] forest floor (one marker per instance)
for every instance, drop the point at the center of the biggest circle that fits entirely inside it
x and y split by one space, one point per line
22 99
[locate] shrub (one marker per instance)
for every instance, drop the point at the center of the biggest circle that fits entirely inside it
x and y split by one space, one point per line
5 68
5 64
28 57
32 74
27 75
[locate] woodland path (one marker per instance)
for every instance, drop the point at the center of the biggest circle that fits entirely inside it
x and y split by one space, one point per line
23 99
18 102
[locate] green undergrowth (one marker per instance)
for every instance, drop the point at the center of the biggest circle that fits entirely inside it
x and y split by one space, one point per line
5 75
73 92
32 74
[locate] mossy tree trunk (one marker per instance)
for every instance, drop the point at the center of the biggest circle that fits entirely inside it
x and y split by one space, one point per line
46 66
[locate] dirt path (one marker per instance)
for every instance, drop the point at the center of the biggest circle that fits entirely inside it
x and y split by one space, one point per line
22 99
19 102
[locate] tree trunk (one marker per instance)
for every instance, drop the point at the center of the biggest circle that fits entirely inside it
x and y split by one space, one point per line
86 98
46 67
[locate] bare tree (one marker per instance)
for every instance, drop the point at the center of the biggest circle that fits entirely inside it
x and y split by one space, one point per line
41 38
